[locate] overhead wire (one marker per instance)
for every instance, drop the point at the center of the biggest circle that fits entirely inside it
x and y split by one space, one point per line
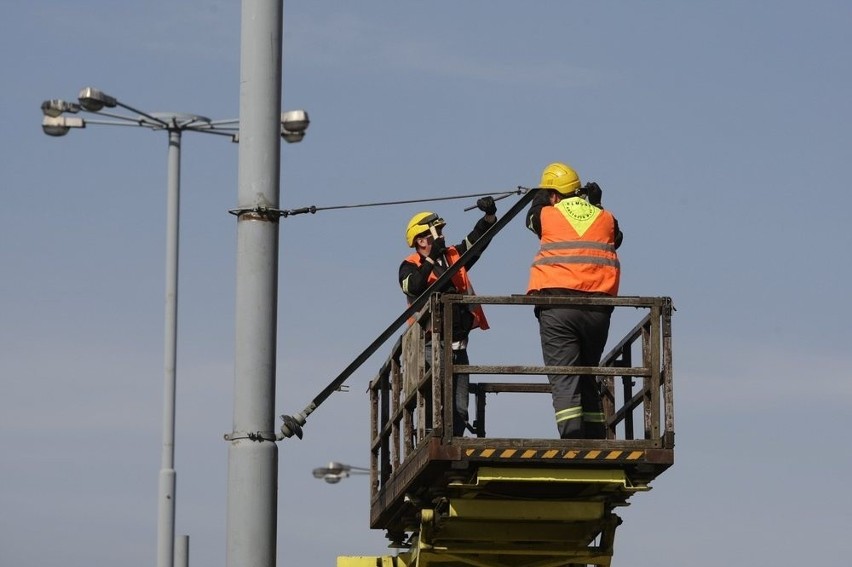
314 209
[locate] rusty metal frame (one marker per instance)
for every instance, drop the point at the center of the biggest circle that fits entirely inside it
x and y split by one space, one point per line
410 430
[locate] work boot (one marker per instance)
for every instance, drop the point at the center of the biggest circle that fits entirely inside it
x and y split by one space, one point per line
595 431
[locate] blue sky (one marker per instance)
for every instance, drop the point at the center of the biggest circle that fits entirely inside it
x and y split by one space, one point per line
719 132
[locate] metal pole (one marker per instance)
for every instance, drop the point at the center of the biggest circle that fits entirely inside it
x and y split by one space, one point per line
182 551
252 453
166 498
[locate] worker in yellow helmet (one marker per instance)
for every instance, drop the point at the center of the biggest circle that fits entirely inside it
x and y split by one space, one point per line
577 257
430 258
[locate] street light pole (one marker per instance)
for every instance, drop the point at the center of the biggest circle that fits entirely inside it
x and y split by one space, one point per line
168 477
290 126
94 101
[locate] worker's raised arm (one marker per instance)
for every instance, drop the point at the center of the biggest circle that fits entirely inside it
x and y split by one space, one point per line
541 200
489 207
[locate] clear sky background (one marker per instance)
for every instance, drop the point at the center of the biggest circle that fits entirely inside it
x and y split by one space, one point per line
719 132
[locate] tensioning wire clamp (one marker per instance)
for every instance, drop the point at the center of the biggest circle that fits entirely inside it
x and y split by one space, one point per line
520 191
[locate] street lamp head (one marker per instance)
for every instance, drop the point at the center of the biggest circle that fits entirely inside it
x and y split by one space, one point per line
335 472
292 137
56 106
295 120
60 125
93 100
294 123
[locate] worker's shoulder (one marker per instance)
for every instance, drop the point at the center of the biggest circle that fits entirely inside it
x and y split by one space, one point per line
411 258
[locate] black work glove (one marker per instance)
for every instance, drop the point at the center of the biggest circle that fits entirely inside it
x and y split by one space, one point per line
487 205
438 247
594 193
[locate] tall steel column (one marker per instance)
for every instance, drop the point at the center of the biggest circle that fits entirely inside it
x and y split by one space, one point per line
166 494
252 453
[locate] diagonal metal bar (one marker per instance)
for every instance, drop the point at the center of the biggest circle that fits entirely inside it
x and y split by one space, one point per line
292 424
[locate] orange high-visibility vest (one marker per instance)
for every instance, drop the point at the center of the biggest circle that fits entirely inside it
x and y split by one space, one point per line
460 280
577 249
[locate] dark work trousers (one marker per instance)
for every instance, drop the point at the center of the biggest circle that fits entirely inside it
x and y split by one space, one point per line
461 388
575 337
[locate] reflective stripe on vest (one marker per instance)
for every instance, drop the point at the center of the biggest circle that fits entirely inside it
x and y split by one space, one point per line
577 249
460 280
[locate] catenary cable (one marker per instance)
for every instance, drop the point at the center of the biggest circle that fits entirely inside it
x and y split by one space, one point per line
314 209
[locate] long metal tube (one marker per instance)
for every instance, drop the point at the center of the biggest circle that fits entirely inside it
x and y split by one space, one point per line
182 551
166 494
252 452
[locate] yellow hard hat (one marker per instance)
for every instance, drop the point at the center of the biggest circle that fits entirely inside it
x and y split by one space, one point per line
560 177
420 223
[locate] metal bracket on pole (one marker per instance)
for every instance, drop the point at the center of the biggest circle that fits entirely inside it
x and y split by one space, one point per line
259 213
253 435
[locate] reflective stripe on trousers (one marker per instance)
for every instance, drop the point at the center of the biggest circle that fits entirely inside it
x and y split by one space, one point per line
575 337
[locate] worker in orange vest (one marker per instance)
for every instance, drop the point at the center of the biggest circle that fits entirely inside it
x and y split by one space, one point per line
431 258
577 257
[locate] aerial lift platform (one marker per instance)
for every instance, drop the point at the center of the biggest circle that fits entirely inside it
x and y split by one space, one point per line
505 502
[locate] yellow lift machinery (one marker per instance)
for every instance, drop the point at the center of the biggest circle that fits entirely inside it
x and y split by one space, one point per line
506 502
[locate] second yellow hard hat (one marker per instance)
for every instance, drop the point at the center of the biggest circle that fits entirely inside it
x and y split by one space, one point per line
560 177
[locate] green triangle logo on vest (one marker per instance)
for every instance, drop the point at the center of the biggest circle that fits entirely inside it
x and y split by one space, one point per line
578 212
